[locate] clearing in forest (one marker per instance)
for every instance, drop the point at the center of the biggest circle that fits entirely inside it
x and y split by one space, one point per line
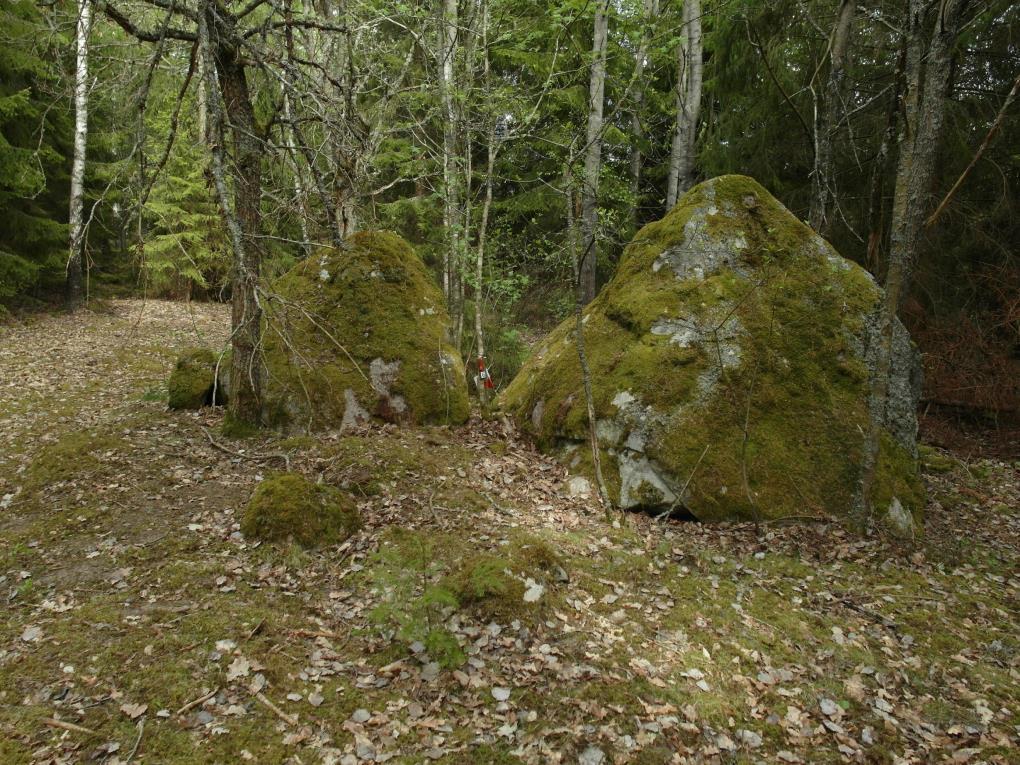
478 615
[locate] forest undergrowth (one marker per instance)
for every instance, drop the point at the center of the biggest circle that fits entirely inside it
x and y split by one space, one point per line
479 615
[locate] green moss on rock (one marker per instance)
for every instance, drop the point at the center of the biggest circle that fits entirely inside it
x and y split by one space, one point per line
193 381
359 333
290 507
729 368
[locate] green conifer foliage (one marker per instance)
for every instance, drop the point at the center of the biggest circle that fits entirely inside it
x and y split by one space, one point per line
33 155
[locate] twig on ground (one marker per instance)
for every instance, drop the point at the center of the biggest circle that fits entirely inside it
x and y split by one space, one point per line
134 749
200 700
318 633
53 723
289 719
255 630
241 455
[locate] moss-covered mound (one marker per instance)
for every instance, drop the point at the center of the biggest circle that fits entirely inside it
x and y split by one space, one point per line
358 334
730 367
192 384
290 507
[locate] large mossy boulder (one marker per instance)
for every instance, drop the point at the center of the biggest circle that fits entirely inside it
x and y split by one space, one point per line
289 507
199 378
730 360
358 334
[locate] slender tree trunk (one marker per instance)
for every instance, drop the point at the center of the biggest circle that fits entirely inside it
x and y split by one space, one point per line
244 217
483 223
593 153
876 201
927 77
299 186
483 227
688 104
576 259
451 175
651 10
75 260
827 124
203 110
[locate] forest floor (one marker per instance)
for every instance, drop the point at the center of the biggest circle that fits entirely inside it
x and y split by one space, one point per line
140 626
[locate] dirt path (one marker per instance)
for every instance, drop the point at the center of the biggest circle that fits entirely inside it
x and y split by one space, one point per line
480 616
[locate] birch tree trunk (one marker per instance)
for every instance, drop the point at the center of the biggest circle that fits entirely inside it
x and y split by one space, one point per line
688 103
927 76
593 153
451 176
76 223
827 124
651 10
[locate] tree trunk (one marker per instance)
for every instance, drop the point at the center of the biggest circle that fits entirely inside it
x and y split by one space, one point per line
299 186
76 223
876 202
582 357
593 154
651 10
451 175
688 104
927 77
243 218
827 124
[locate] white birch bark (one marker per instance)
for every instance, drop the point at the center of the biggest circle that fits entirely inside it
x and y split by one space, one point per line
451 217
76 226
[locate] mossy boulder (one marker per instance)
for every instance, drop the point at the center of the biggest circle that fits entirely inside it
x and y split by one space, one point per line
730 360
289 507
358 334
193 383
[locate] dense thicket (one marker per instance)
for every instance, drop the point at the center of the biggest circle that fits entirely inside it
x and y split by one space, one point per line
465 127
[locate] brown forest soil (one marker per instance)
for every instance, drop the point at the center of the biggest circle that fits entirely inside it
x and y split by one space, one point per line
141 626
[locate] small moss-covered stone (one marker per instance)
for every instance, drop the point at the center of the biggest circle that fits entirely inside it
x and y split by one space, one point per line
358 334
730 359
290 507
193 381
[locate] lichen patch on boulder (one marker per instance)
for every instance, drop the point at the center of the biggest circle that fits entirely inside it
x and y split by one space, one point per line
359 333
730 360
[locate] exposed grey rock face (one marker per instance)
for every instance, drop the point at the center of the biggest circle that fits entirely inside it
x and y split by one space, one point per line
731 358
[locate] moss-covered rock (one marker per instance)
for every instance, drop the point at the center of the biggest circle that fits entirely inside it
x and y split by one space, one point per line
290 507
357 334
193 383
730 361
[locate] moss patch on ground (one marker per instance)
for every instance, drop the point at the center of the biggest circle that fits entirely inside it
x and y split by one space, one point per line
290 507
74 454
